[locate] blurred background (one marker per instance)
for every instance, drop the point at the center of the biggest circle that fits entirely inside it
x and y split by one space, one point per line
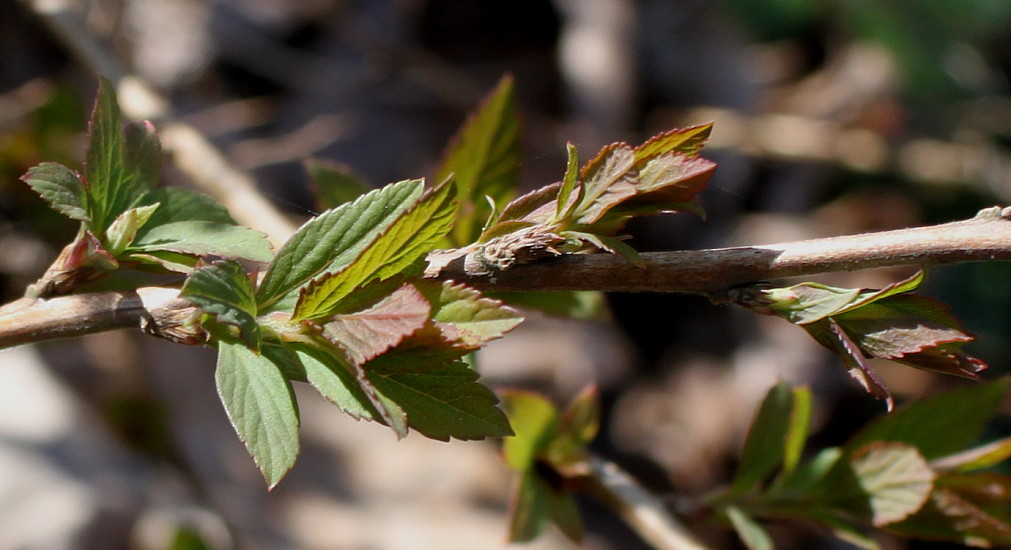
831 117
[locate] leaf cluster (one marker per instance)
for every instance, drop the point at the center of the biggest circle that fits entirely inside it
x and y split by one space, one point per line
861 324
908 473
125 220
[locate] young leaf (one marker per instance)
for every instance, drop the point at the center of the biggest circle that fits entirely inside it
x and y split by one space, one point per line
178 204
528 508
587 305
800 421
977 458
752 534
939 425
565 202
121 164
405 240
765 444
61 188
476 319
261 407
334 239
365 334
223 289
483 159
203 238
123 230
896 478
687 141
333 184
535 422
441 397
608 179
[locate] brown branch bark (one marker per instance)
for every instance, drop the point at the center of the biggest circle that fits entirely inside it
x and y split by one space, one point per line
711 272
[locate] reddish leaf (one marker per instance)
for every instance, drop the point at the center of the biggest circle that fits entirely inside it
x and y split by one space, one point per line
366 334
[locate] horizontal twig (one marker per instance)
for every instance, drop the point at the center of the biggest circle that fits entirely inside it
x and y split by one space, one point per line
707 272
711 272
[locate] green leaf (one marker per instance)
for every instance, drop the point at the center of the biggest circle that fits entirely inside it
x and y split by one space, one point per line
977 458
752 534
939 425
121 164
333 184
403 243
529 508
365 334
535 423
159 260
261 407
335 239
765 444
178 204
565 202
123 230
61 188
335 381
895 476
484 160
223 289
476 319
441 397
687 141
951 516
202 238
796 435
608 179
578 426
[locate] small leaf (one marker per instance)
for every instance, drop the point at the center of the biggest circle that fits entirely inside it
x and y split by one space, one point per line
896 477
796 436
223 289
608 179
202 238
61 188
687 141
161 260
476 318
365 334
535 424
752 534
261 407
528 508
939 425
333 184
977 458
121 165
951 516
579 425
334 239
124 228
566 203
442 398
178 204
484 160
404 242
765 444
829 334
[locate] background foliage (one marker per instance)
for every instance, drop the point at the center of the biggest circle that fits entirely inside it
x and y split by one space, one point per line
924 86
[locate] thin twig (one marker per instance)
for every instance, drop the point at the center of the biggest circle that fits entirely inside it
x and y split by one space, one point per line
711 272
190 151
642 511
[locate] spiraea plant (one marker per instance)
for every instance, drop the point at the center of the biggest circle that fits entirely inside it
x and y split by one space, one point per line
357 304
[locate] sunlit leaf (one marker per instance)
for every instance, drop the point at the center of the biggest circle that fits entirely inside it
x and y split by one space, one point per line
584 305
477 319
977 458
177 204
365 334
765 444
122 164
61 188
335 239
404 241
202 238
123 230
534 420
223 289
261 407
896 477
335 382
